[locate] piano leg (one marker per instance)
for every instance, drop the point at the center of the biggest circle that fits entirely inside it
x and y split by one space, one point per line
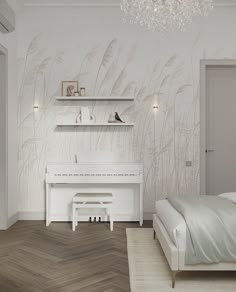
141 205
48 193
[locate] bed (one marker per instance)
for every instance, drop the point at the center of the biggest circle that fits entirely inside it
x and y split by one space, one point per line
170 229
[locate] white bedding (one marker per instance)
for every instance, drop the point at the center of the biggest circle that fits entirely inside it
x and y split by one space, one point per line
229 196
174 223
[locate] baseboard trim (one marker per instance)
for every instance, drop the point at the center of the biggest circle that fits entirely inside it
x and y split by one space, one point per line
12 220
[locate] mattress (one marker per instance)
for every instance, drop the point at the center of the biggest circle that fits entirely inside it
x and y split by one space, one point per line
173 222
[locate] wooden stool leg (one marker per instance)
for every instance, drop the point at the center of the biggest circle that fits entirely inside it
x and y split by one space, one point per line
111 220
76 217
73 216
174 273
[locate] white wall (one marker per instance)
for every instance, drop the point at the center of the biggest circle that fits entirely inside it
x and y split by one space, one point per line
3 139
110 57
9 41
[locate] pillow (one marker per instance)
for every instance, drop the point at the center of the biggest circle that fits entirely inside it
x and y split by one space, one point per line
229 196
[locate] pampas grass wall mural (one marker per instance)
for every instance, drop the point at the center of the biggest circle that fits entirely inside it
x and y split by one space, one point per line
162 153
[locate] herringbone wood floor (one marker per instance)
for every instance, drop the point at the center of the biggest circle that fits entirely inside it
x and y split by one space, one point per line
36 258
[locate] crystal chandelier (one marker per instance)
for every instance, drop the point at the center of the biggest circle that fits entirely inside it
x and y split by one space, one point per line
164 14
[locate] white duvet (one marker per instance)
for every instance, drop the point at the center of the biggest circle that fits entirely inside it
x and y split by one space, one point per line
174 222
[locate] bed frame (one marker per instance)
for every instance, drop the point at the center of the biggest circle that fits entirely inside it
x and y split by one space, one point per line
176 257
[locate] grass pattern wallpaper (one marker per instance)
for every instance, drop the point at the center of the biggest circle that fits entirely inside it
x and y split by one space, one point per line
162 140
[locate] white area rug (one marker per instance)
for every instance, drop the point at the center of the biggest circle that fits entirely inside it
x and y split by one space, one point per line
149 270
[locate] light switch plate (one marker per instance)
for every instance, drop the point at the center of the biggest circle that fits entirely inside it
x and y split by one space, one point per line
188 163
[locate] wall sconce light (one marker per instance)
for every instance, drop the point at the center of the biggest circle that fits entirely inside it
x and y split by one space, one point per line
155 102
155 109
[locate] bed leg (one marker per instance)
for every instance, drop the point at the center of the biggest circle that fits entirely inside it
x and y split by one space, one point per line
154 234
174 273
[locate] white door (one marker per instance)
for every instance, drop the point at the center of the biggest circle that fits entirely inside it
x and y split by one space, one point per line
3 141
220 129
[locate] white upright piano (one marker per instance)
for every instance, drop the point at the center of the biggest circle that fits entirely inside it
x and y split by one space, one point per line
92 174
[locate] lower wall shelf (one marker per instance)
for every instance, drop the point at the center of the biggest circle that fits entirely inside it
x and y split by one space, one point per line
97 124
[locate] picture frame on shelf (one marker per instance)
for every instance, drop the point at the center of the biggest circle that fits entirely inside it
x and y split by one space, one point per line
68 88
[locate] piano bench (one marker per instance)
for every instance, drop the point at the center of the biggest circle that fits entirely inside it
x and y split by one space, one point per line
91 201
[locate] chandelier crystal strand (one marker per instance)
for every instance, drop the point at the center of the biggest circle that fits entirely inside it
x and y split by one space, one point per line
164 14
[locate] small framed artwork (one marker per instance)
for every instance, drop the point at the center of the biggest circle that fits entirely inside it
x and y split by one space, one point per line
68 88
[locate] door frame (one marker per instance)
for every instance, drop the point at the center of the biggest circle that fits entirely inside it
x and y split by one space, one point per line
204 64
4 199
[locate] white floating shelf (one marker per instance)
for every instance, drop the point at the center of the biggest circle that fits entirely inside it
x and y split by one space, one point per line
97 124
106 98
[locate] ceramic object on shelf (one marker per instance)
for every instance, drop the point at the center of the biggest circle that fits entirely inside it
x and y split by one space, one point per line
115 118
85 114
92 119
82 91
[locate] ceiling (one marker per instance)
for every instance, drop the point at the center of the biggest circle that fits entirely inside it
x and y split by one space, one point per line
87 2
18 4
64 2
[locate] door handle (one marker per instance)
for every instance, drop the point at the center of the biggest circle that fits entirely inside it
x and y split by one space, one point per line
209 151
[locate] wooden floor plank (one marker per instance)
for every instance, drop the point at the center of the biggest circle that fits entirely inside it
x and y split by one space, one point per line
36 258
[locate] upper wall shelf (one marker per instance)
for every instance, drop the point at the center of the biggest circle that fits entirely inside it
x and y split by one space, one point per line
106 98
96 125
